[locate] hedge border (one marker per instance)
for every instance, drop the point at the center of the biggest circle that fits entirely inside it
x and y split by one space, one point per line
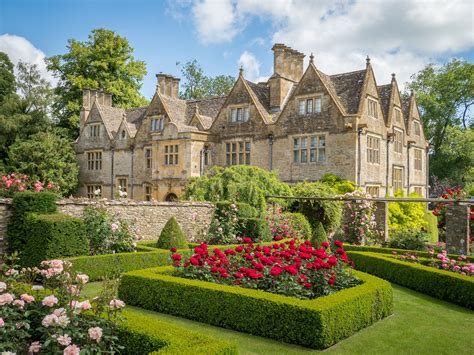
442 284
317 323
383 250
143 334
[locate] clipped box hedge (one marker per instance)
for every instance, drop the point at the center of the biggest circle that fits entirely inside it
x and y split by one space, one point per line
442 284
52 236
317 323
144 334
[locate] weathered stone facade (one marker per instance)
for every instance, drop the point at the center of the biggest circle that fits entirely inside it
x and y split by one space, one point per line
301 122
148 218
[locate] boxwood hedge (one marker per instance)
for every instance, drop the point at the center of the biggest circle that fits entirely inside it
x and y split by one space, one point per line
445 285
144 334
317 323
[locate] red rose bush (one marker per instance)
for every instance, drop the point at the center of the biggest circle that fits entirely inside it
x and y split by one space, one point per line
293 268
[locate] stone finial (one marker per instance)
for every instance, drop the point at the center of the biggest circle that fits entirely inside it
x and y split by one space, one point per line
393 76
311 58
241 70
367 60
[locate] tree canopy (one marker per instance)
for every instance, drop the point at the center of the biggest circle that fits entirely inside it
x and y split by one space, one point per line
197 85
104 61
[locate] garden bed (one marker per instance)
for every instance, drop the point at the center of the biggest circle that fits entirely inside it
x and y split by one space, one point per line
445 285
317 323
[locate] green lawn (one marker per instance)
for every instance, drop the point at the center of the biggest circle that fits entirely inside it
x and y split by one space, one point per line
420 325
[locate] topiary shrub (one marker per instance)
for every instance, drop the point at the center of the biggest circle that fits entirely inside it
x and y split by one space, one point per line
22 204
329 213
255 228
172 236
319 236
410 240
52 236
431 227
299 224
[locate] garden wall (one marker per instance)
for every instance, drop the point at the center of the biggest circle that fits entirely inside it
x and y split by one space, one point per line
148 217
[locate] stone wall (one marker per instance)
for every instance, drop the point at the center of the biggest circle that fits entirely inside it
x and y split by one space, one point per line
149 218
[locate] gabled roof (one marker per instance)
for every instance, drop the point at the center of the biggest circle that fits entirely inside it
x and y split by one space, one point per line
134 119
209 107
112 118
348 87
385 92
261 98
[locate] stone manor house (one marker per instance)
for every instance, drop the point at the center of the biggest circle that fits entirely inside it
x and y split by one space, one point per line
302 123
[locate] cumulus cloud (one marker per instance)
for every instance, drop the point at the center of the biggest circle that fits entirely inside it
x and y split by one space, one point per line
20 49
399 35
251 66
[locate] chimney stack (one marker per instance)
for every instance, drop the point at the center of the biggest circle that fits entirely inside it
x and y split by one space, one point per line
168 85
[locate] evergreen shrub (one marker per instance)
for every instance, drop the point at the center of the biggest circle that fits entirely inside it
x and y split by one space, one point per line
172 236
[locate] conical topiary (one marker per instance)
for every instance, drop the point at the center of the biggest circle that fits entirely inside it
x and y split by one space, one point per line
172 236
319 236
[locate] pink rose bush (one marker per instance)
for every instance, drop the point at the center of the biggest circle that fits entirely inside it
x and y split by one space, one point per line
52 318
13 182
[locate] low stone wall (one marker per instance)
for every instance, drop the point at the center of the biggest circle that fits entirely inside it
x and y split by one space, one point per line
148 218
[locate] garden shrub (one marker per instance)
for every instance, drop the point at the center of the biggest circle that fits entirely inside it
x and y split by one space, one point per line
410 240
431 227
340 185
299 224
406 215
317 323
172 236
143 333
319 236
22 204
243 210
51 236
441 284
241 183
255 228
329 213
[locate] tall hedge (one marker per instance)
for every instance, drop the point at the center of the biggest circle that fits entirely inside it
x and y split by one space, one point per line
22 204
172 236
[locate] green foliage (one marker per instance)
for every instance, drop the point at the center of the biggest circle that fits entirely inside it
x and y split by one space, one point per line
7 78
339 184
243 210
22 204
441 284
299 224
319 236
329 213
407 239
46 156
255 228
317 323
172 236
406 215
431 227
145 334
240 183
104 61
197 85
52 236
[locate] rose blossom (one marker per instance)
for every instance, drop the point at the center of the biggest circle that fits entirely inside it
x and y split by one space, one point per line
3 286
95 333
11 272
115 303
64 340
49 320
63 320
114 227
82 278
35 347
27 298
2 322
19 303
72 350
49 301
6 298
59 311
86 305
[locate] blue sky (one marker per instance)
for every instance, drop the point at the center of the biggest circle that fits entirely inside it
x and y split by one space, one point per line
401 36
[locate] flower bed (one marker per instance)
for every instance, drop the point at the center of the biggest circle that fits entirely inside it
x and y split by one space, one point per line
317 323
442 261
441 284
293 268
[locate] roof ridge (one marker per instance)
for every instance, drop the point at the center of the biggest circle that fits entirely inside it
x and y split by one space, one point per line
349 72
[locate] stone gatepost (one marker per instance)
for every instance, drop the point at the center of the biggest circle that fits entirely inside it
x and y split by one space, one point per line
381 218
457 229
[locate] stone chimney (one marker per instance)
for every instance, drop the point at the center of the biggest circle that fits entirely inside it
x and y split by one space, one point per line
89 96
167 85
288 69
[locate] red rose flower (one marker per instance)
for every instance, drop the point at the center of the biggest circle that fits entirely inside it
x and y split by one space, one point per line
308 285
176 257
247 240
338 243
173 250
325 244
276 270
238 275
239 248
278 237
194 261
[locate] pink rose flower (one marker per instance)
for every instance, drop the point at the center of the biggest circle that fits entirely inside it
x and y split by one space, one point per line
35 347
19 303
49 320
27 298
3 286
114 227
50 301
95 333
115 303
2 322
82 278
6 298
72 350
64 340
85 305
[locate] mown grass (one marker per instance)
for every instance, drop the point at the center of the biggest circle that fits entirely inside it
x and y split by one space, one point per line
420 325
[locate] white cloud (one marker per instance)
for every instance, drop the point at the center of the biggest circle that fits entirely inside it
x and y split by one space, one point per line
251 66
400 35
20 49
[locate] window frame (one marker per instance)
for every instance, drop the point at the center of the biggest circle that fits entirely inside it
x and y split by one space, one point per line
148 158
94 160
417 128
309 149
397 182
308 105
171 152
397 113
90 190
368 189
373 149
157 124
238 152
372 107
120 186
148 194
94 129
418 160
398 144
239 114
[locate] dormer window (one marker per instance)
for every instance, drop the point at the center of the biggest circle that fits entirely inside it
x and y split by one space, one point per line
372 110
397 114
417 128
157 124
239 114
309 105
95 130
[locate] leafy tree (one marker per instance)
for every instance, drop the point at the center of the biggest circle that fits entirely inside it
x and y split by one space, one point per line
403 216
7 78
339 184
46 156
197 85
104 61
